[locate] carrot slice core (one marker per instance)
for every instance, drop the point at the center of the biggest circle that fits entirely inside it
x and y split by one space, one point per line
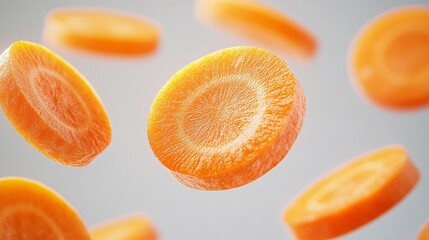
353 195
29 210
227 118
51 105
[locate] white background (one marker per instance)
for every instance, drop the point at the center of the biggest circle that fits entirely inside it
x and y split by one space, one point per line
127 178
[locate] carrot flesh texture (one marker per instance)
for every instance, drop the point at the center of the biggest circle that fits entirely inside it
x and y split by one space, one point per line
353 195
51 105
101 31
424 233
137 227
227 118
389 59
29 210
258 23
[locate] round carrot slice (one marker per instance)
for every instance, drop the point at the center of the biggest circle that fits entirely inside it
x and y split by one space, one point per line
424 233
389 59
136 227
259 23
353 195
101 31
29 210
51 105
227 118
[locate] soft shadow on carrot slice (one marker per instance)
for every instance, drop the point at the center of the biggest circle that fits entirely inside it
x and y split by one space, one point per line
102 31
29 210
135 227
353 195
227 118
424 232
51 105
258 23
389 59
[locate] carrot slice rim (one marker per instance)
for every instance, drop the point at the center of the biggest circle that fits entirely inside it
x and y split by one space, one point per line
27 204
259 23
359 199
136 226
52 105
102 31
388 58
225 104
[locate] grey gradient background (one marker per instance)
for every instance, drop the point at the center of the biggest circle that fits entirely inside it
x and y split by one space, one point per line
127 178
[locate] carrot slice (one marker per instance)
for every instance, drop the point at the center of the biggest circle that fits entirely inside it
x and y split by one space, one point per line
259 23
51 105
135 227
227 118
389 59
29 210
353 195
424 233
101 31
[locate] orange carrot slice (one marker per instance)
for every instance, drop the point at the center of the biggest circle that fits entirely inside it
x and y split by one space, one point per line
259 23
29 210
424 233
136 227
389 59
227 118
353 195
101 31
51 105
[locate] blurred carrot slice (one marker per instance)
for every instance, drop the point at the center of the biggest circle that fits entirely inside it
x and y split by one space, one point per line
424 233
51 105
258 23
136 227
101 31
390 58
29 210
353 195
227 118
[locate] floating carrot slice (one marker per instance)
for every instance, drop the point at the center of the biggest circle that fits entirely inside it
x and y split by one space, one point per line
390 59
353 195
259 23
424 233
227 118
29 210
51 105
101 31
137 227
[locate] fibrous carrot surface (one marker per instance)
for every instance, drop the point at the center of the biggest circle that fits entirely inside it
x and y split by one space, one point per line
101 31
389 59
52 105
353 195
31 211
259 23
227 118
134 227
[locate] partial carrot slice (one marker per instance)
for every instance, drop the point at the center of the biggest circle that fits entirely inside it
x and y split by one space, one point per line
51 105
390 59
353 195
424 233
227 118
135 227
29 210
259 23
102 31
